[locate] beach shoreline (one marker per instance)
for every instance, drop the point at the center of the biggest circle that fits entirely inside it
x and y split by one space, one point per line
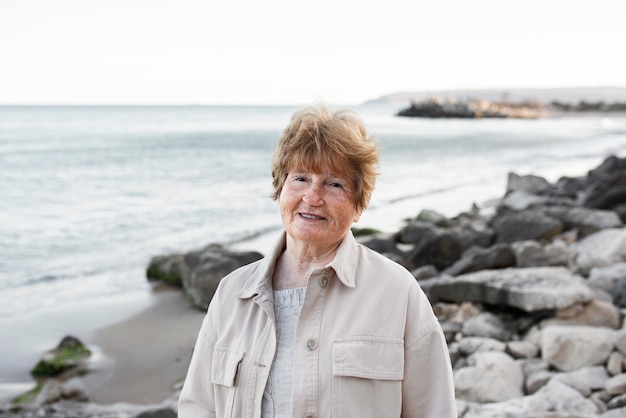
141 344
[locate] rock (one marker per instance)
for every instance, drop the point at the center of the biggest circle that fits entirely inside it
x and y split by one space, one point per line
611 280
616 385
614 404
615 363
595 313
471 345
527 225
204 269
619 340
601 249
530 289
166 268
537 380
522 349
519 200
487 325
433 217
495 257
69 354
491 376
585 380
528 183
614 412
606 188
585 220
564 399
439 247
572 347
533 254
424 272
158 413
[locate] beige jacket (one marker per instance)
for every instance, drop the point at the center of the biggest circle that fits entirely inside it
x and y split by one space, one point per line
367 344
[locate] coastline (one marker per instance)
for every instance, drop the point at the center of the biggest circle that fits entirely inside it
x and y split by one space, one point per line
141 344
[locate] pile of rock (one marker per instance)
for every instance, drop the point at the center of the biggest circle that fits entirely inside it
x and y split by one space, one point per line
531 298
473 109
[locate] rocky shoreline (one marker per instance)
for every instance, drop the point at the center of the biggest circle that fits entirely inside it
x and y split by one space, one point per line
436 107
531 297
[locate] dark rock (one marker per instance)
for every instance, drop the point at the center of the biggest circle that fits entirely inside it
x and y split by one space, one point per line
529 289
606 194
204 269
496 257
433 217
435 246
424 272
158 413
527 225
585 220
534 254
166 268
69 354
528 183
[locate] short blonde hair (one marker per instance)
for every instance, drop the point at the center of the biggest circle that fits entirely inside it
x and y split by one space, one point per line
317 136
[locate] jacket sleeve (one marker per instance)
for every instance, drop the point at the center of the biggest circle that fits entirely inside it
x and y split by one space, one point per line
196 398
428 385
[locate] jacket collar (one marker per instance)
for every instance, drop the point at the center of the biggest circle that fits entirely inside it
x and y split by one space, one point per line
344 264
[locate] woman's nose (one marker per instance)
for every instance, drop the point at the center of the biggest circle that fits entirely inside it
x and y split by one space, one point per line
314 195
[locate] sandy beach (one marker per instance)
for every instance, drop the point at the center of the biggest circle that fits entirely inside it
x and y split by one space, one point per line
141 345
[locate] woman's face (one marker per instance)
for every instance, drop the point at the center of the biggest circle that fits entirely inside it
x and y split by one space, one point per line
317 208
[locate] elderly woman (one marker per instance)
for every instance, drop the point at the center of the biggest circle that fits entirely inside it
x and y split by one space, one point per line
322 326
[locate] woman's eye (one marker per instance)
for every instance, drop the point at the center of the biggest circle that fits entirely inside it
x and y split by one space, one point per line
299 178
337 185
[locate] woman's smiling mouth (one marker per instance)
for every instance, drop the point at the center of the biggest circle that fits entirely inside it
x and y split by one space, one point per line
311 216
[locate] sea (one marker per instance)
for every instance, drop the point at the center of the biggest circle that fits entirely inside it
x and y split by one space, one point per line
89 194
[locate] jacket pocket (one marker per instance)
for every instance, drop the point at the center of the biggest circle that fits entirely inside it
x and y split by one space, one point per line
224 370
367 376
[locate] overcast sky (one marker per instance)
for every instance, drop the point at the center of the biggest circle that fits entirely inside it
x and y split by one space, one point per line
293 52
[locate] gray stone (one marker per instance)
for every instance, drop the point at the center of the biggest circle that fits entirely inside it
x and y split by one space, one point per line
554 400
616 385
612 281
572 347
615 363
432 245
530 289
491 376
527 183
586 221
204 269
476 258
522 349
537 380
596 313
586 379
533 254
519 200
487 325
601 249
471 345
527 225
619 340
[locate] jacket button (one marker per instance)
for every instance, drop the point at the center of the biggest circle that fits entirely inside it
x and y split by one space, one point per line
324 281
311 344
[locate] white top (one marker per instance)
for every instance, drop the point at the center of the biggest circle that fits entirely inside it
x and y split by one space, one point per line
278 391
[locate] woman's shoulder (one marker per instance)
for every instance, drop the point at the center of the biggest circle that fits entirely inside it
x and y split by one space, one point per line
377 264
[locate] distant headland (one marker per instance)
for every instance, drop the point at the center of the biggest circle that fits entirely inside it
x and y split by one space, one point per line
507 103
